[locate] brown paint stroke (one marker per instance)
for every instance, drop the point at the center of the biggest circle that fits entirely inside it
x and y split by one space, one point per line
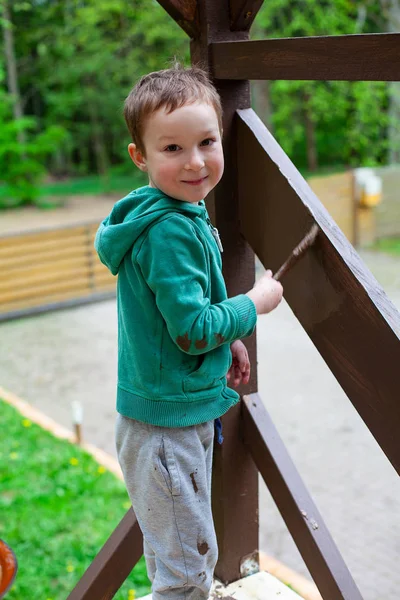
200 344
202 547
194 484
219 338
183 342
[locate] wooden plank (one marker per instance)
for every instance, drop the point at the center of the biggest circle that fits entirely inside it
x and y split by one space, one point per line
36 280
184 12
235 478
370 57
47 246
243 13
296 506
337 300
63 265
113 563
38 291
45 257
47 234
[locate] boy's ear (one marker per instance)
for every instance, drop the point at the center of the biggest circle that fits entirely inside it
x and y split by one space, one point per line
137 156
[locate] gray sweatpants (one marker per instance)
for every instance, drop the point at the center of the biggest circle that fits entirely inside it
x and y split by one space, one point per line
167 473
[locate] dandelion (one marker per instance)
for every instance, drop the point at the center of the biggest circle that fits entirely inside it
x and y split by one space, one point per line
70 568
126 505
13 455
73 461
101 469
26 423
131 594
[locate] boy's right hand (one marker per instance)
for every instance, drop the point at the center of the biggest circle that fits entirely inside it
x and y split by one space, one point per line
266 294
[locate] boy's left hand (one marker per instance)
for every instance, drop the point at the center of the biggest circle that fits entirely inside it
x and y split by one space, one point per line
239 371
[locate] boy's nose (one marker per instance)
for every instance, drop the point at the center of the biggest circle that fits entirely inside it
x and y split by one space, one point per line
195 162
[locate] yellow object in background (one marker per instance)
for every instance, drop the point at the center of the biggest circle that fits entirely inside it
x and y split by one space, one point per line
368 187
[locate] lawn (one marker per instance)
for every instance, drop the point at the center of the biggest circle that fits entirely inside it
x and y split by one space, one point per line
52 194
57 508
390 245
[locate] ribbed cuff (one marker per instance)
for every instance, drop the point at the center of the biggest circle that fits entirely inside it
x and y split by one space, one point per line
247 315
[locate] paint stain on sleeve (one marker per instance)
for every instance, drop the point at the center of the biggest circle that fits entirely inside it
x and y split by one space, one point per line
200 344
219 338
183 342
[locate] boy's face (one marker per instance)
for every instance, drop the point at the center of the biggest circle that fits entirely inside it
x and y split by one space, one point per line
184 155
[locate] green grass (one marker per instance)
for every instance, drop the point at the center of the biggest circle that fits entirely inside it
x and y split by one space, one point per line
390 245
57 508
53 194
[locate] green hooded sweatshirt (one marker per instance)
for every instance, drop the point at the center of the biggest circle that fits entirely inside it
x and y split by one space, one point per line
175 323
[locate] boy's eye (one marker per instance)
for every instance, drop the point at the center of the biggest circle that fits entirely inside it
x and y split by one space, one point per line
172 148
207 142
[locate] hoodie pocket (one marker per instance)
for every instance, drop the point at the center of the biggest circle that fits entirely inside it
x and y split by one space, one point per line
204 379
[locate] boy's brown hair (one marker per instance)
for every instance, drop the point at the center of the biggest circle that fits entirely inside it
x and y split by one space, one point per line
169 89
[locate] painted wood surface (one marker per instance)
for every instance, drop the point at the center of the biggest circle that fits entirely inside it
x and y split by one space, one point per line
295 504
369 57
235 477
337 300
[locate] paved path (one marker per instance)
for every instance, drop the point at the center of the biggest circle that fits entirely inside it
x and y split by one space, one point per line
53 359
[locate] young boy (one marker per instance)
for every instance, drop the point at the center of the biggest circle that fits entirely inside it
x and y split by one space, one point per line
178 334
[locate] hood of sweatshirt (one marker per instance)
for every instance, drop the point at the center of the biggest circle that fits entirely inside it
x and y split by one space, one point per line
130 216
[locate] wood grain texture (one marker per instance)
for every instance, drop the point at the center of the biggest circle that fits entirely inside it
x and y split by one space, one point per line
184 12
113 563
370 57
235 477
337 300
243 13
296 506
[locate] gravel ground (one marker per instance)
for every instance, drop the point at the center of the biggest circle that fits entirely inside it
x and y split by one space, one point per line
53 359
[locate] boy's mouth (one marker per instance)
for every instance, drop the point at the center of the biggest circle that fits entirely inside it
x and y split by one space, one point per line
195 181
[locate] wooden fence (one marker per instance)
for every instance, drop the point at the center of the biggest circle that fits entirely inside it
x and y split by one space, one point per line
50 269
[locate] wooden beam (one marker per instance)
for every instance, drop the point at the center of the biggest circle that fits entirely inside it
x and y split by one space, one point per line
243 13
296 506
184 12
113 563
235 477
371 57
337 300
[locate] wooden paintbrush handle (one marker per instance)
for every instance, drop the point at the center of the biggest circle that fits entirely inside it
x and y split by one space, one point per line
298 252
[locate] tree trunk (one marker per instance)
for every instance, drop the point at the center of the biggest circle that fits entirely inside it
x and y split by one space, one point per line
262 102
98 140
12 74
312 155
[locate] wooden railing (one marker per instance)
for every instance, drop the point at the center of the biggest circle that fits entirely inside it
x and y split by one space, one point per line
264 205
51 268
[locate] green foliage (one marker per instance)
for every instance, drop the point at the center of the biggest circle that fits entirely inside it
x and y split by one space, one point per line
22 164
77 61
349 119
57 509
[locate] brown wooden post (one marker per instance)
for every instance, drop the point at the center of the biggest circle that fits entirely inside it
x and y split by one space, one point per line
235 479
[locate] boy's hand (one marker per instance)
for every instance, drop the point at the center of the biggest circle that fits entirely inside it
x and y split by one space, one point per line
266 294
239 371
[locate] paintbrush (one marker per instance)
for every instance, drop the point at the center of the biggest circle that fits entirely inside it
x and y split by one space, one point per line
298 252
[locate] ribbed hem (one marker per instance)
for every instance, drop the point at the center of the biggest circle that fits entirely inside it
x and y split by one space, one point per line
168 413
247 314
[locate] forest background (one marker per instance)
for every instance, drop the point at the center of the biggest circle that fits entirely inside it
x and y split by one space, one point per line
67 65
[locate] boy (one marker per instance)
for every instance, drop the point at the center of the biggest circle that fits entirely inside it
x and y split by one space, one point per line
178 334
